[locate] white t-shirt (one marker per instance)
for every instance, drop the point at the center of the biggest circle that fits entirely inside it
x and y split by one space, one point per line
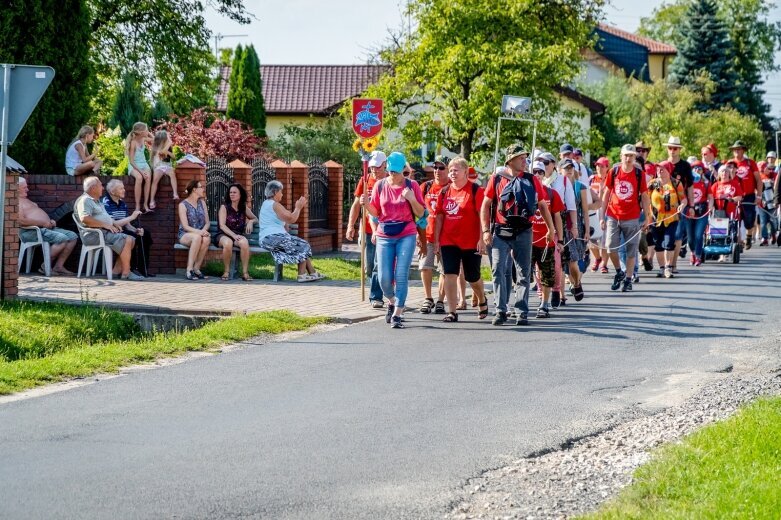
565 190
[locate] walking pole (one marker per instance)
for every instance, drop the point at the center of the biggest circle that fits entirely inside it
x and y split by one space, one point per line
141 239
362 230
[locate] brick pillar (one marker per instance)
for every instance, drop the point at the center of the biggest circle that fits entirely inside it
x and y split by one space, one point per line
10 238
285 176
299 187
335 199
242 174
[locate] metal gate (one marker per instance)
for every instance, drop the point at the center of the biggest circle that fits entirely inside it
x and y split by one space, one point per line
262 174
318 196
219 177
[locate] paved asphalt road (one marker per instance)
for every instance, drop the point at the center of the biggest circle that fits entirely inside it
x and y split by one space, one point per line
368 422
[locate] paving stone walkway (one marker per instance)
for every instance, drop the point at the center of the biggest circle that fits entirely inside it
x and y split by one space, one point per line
175 294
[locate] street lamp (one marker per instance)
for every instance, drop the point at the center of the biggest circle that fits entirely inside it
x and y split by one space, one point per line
514 108
777 132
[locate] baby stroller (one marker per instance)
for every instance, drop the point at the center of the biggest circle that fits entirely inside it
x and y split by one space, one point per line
722 236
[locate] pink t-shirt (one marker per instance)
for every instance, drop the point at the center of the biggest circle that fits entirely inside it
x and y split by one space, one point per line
392 207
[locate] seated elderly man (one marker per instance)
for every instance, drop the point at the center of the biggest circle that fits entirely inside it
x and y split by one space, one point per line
62 241
91 213
115 206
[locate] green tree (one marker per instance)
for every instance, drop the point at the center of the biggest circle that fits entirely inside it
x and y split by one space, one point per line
245 96
447 77
706 48
29 35
329 140
129 106
159 113
237 66
165 43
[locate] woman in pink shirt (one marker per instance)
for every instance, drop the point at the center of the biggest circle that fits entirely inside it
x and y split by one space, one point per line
396 203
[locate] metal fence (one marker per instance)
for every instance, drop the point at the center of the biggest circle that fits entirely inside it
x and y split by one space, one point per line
351 180
318 196
262 174
219 177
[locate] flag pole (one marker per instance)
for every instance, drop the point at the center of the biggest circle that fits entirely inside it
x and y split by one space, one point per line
362 229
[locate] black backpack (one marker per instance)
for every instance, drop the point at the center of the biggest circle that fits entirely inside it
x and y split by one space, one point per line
518 202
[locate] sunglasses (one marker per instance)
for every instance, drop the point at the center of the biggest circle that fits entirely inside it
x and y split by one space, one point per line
439 168
544 161
673 148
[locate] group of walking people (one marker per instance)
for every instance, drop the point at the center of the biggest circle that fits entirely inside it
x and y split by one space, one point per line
543 221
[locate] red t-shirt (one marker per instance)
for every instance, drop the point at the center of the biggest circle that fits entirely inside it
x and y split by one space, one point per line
430 201
623 203
370 182
745 173
492 194
699 191
461 211
726 190
539 227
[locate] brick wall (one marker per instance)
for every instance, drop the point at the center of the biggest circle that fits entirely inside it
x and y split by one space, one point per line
9 287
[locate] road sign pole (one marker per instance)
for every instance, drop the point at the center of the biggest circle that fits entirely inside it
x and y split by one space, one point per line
3 154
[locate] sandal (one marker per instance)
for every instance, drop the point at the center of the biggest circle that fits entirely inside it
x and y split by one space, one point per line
199 275
439 308
450 318
190 276
483 314
152 206
461 306
225 277
246 277
428 304
604 270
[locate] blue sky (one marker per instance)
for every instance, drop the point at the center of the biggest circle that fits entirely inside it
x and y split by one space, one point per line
344 32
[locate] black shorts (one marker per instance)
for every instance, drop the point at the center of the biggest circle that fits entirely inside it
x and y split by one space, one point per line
453 257
664 236
749 211
547 266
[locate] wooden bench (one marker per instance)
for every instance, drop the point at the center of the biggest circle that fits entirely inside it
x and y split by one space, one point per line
254 248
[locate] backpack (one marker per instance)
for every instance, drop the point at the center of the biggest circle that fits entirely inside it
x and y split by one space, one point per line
656 185
638 173
518 202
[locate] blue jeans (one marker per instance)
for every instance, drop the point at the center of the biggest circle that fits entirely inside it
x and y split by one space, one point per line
375 291
682 230
394 257
696 231
767 220
503 254
622 259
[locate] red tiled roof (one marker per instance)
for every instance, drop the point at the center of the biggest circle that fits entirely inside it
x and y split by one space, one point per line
306 89
653 46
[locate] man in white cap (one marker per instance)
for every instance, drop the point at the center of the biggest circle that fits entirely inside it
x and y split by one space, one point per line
377 171
771 159
682 171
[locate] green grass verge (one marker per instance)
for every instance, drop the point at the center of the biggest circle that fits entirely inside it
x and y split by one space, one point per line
731 469
261 267
88 340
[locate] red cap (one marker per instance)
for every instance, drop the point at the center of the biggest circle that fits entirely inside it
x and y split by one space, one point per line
471 174
667 165
602 161
650 168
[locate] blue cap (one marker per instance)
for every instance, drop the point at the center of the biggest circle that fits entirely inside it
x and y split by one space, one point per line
396 162
566 148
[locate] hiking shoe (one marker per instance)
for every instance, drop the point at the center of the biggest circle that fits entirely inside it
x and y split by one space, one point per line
378 304
500 318
668 273
522 319
748 243
636 278
396 322
647 265
543 312
389 313
763 243
617 279
660 274
555 299
627 285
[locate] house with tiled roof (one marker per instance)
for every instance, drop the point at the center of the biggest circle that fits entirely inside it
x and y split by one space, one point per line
295 94
620 52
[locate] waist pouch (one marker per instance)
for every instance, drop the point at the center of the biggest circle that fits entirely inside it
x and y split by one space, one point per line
391 229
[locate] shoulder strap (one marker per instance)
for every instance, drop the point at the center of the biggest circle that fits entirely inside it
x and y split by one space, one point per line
474 189
427 187
494 201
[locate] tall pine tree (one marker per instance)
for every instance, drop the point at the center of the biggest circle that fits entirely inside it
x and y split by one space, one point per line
245 97
31 33
706 47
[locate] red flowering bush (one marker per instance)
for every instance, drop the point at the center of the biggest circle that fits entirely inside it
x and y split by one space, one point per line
206 134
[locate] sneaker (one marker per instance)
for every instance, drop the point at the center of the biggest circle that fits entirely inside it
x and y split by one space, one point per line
378 304
660 274
543 312
763 243
682 252
627 285
647 265
748 243
636 278
698 262
693 260
522 319
773 240
674 269
133 277
555 299
500 318
668 273
389 313
397 324
617 279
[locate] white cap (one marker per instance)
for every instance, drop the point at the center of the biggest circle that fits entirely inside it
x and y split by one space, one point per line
538 165
377 158
628 149
771 154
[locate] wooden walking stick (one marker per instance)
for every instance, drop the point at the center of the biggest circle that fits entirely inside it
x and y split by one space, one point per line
362 230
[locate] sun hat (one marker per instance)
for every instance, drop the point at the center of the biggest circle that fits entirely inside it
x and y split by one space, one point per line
628 149
396 162
513 151
674 142
738 144
640 145
377 158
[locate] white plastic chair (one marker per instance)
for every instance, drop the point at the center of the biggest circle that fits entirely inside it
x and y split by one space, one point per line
27 247
92 253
